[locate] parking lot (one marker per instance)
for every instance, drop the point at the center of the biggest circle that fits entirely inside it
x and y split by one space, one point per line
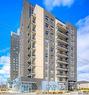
72 93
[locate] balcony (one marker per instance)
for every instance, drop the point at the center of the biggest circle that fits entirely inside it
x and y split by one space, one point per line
62 47
63 79
61 27
49 20
33 54
29 47
62 34
33 57
31 75
33 37
31 69
29 59
33 28
29 62
62 75
62 68
62 40
33 45
33 18
29 34
29 39
31 66
60 44
62 54
62 61
29 55
52 21
46 19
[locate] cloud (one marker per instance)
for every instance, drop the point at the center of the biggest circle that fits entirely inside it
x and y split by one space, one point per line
5 69
83 48
17 31
50 4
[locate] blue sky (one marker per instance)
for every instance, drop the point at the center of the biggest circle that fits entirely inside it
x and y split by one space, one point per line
73 11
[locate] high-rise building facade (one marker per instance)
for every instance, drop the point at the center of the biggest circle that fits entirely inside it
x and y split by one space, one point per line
14 56
47 47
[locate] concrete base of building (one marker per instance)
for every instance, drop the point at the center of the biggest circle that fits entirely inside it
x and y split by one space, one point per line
25 84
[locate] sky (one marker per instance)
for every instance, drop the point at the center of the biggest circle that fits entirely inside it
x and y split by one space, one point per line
74 11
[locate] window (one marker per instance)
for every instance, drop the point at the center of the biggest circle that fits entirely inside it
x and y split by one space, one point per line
33 28
46 17
52 49
52 79
46 25
28 34
46 32
51 56
61 66
34 20
46 57
46 54
46 66
46 42
61 72
52 26
33 37
66 72
29 55
46 78
71 48
61 79
33 45
52 19
52 71
52 33
28 40
28 26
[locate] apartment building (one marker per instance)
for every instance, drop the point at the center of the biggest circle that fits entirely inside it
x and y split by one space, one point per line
14 56
47 47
